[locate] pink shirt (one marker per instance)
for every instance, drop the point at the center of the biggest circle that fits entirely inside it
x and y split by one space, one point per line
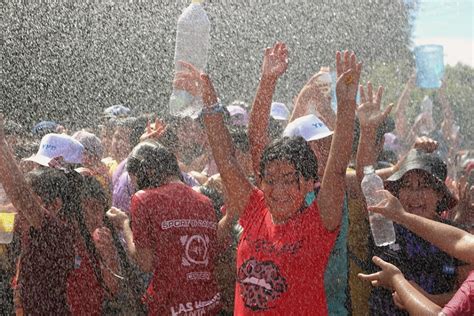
462 303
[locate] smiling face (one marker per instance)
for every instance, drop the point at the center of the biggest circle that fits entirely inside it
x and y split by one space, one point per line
284 189
418 195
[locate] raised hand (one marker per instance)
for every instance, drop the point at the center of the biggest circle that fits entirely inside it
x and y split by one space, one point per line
425 144
275 61
188 79
390 207
155 131
369 112
348 72
196 83
383 278
117 217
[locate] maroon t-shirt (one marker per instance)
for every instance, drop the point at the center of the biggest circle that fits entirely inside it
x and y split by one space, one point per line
47 258
180 225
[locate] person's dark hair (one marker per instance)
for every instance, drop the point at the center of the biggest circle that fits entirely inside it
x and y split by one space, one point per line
152 164
240 138
92 189
49 184
294 150
275 128
216 198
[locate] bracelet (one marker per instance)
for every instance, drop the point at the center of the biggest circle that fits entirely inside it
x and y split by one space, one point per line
213 109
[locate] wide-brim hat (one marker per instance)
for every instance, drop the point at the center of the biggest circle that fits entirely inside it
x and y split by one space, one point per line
432 165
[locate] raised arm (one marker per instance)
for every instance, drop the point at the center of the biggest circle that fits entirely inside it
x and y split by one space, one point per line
451 240
310 95
18 190
400 120
236 184
331 196
275 63
370 118
392 278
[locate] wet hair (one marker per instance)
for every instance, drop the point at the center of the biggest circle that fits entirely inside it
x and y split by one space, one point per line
92 189
50 184
294 150
216 198
152 164
240 138
136 125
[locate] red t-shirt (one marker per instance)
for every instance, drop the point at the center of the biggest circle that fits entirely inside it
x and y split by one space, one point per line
84 293
47 258
462 303
280 268
181 226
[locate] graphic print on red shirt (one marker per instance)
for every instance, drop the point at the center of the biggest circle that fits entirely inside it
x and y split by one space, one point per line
280 268
180 225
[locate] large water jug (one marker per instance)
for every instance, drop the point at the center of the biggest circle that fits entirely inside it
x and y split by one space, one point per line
192 44
429 66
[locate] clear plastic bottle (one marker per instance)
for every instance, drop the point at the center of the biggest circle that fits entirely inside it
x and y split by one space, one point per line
192 44
381 227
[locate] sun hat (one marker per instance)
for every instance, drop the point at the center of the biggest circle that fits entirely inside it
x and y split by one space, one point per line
58 145
310 127
432 165
91 143
238 115
279 111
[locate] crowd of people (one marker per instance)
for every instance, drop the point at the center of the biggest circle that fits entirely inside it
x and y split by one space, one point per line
241 210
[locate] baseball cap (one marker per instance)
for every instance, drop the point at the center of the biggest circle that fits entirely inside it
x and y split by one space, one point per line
58 145
279 111
117 110
91 143
238 115
310 127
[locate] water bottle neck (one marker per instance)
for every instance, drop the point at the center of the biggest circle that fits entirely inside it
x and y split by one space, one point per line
369 170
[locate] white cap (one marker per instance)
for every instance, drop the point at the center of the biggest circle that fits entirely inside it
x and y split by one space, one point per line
310 127
58 145
279 111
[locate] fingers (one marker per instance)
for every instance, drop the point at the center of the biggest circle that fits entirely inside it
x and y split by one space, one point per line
339 67
188 66
370 93
369 277
148 126
378 97
209 95
387 111
363 98
347 64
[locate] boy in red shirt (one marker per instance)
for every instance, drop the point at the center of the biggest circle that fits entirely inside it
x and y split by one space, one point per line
285 245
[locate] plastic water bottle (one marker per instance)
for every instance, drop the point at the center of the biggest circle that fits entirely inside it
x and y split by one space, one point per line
425 118
381 227
192 44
